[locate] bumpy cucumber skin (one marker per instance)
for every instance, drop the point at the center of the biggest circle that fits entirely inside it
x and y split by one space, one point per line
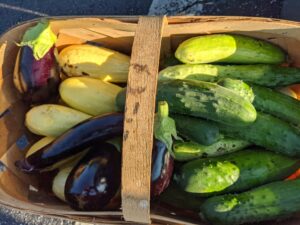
228 48
206 100
239 87
201 131
277 104
265 75
184 151
271 201
269 132
235 172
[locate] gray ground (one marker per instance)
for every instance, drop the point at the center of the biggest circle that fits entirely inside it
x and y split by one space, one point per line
15 11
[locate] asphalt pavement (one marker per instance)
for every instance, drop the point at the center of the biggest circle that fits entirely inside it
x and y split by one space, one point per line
13 12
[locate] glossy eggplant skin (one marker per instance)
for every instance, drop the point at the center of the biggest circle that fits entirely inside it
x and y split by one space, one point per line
36 80
77 139
95 181
162 168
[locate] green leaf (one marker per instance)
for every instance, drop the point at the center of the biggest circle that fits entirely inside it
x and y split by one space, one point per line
164 126
39 38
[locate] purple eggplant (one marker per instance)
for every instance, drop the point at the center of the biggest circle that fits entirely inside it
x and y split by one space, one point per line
75 140
94 183
36 80
162 168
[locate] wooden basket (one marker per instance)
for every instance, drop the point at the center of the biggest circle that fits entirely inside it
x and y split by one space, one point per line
148 39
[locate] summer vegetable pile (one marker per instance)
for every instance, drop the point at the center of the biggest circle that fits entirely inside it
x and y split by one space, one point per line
226 132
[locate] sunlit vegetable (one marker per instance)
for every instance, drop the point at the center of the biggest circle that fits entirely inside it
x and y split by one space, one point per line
94 61
52 120
89 95
36 74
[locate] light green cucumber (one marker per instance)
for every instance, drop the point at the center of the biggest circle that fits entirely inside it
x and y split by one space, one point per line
234 172
228 48
202 99
261 74
206 100
184 151
239 87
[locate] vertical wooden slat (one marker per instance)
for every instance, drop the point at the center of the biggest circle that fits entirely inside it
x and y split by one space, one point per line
139 118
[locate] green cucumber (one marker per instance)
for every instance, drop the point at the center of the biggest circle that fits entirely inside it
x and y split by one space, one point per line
271 201
169 61
228 48
269 132
184 151
201 131
280 105
206 100
202 99
175 197
265 75
234 172
239 87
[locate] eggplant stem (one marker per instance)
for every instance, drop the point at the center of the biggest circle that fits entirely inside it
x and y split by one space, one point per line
24 166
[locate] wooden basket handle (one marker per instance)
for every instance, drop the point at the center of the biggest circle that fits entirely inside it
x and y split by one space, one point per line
139 119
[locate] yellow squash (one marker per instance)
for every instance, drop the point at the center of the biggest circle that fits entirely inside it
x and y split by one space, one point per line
89 95
94 61
38 145
52 120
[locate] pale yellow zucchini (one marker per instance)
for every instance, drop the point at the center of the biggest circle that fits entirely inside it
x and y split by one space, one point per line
52 120
89 95
94 61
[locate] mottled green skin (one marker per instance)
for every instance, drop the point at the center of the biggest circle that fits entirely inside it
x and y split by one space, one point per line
228 48
235 172
239 87
206 100
280 105
269 132
271 201
184 151
201 131
175 197
265 75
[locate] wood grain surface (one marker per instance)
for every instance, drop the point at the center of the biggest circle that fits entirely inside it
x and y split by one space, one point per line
139 118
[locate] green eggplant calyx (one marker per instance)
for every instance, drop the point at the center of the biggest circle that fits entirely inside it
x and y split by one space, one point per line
164 126
39 38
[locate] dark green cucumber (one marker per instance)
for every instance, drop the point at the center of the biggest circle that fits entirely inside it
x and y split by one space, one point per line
265 75
169 61
228 48
206 100
239 87
184 151
201 131
175 197
235 172
269 132
271 201
280 105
